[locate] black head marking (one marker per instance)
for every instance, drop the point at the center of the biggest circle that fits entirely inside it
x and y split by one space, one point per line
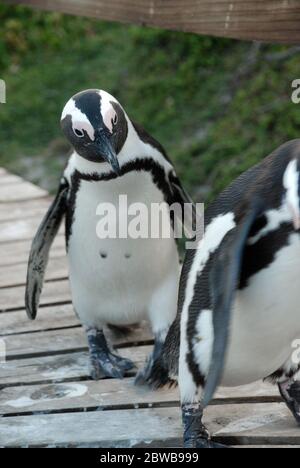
96 126
89 103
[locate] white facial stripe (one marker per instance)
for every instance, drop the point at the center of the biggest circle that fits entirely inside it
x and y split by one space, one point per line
214 234
291 184
107 110
80 121
109 118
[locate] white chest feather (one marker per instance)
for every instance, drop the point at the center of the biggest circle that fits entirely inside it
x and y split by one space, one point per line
114 280
266 319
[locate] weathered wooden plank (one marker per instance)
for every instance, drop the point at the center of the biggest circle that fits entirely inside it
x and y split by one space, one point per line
58 368
24 209
105 394
14 253
256 392
20 229
45 342
112 394
96 429
249 424
271 21
15 275
252 424
65 340
49 318
7 178
56 292
20 191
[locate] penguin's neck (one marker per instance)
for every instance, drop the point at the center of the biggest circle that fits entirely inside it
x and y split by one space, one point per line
133 148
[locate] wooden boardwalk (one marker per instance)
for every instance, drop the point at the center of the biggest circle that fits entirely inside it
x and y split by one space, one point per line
46 397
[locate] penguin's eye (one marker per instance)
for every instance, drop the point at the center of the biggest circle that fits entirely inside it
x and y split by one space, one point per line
79 133
115 119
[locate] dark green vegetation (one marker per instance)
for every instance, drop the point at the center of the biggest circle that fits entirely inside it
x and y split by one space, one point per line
218 106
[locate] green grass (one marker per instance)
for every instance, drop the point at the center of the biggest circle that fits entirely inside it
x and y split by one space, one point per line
215 114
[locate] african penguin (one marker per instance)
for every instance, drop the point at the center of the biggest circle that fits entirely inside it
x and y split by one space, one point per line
117 281
238 314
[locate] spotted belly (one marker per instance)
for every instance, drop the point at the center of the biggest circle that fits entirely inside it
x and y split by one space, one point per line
113 280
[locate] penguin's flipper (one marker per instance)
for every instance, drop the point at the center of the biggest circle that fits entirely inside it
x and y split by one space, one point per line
179 193
224 279
40 248
181 197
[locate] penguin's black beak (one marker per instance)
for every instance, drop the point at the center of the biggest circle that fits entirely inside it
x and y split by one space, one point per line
108 153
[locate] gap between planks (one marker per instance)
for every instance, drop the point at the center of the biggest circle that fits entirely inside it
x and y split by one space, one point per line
53 293
15 275
49 318
20 229
17 252
66 340
58 368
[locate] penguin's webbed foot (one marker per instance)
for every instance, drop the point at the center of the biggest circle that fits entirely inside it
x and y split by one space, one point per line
195 433
144 376
290 392
108 365
104 363
203 443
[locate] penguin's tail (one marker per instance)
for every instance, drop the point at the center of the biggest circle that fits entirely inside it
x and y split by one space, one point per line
164 371
160 376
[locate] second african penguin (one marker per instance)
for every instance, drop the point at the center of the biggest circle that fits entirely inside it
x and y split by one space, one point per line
238 317
113 281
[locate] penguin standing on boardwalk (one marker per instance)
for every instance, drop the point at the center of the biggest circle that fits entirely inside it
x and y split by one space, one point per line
239 313
113 281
